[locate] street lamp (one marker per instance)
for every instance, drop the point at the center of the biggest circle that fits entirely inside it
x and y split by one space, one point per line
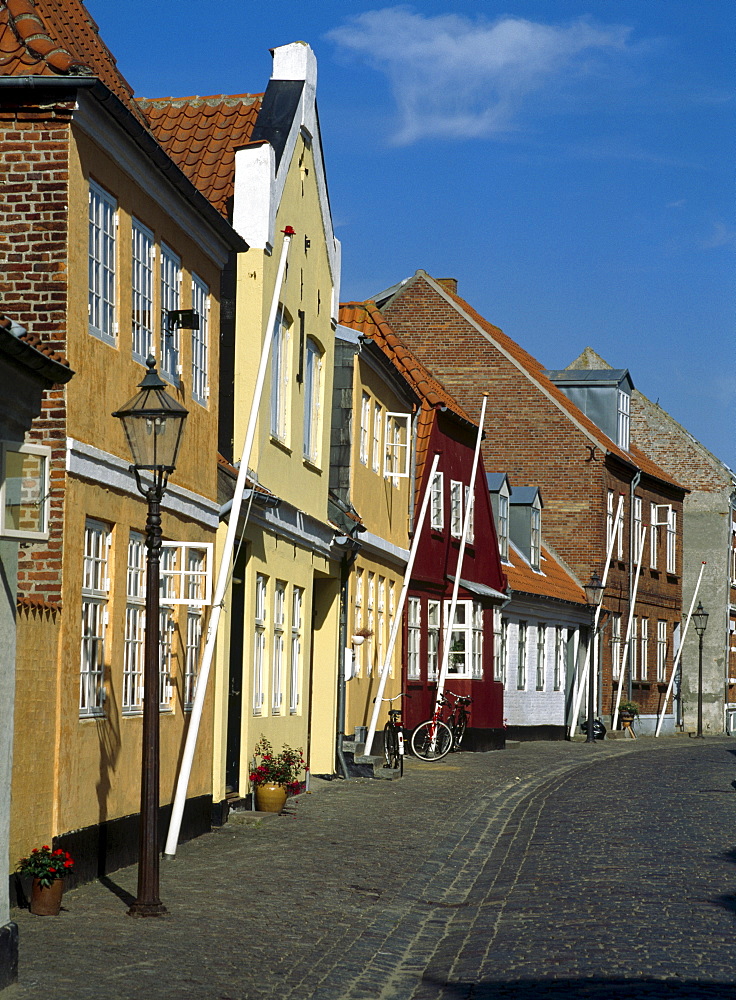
593 596
700 621
153 423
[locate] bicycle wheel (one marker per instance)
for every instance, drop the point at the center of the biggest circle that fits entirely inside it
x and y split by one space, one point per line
459 731
431 740
390 745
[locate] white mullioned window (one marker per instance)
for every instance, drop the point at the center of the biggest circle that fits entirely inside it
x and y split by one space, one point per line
521 657
365 420
661 650
200 341
397 439
167 627
144 257
609 519
312 401
377 427
470 514
460 660
559 670
371 622
413 638
259 644
637 528
391 619
358 619
277 665
653 536
497 671
102 251
671 541
541 655
504 649
280 340
456 508
95 596
433 640
196 587
295 664
24 491
134 625
643 648
381 621
170 300
437 502
477 644
624 419
616 645
536 538
503 526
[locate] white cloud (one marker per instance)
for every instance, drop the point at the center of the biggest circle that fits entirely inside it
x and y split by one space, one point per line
720 235
457 77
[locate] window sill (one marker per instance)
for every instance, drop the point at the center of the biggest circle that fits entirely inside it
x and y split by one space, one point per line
308 463
106 338
93 716
281 445
133 713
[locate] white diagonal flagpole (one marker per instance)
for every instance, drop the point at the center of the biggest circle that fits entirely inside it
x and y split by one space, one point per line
679 653
629 625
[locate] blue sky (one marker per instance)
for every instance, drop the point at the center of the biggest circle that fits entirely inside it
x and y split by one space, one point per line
569 162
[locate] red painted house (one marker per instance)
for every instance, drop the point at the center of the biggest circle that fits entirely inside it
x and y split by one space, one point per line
441 425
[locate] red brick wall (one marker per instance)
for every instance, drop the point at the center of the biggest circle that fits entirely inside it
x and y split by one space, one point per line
34 172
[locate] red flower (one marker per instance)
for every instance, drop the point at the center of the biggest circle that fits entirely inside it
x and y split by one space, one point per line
45 847
68 864
52 870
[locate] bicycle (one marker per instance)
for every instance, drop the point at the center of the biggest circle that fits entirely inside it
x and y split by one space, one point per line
393 737
435 738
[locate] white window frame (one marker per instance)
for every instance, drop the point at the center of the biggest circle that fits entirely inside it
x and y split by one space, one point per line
434 622
312 401
437 502
186 579
277 665
559 658
259 642
541 655
167 626
397 446
102 258
170 277
413 638
644 649
464 630
370 642
193 652
358 620
503 526
456 508
143 258
280 343
633 648
616 645
470 515
521 655
504 650
535 538
623 419
497 669
135 625
476 653
95 598
200 341
365 420
295 659
377 428
653 536
13 488
671 536
637 527
381 621
661 650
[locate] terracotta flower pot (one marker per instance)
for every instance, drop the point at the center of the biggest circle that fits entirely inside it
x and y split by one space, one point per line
46 902
270 798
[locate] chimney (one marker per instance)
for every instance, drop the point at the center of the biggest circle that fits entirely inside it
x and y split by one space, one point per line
449 284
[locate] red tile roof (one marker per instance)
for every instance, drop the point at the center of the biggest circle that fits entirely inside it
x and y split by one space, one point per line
201 135
57 38
34 341
553 580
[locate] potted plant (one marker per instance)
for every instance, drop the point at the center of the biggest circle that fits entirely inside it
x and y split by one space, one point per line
48 870
361 635
628 710
275 776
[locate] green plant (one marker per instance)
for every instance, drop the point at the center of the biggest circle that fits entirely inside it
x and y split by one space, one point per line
283 768
46 865
629 706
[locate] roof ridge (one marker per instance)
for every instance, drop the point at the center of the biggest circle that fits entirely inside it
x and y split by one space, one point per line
178 102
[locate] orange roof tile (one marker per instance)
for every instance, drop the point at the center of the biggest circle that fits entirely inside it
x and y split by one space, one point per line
536 370
57 38
553 580
201 135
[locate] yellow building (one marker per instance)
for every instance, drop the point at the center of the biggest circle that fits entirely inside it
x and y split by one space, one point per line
259 160
124 247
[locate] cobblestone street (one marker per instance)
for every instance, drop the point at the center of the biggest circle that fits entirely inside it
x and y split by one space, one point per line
546 870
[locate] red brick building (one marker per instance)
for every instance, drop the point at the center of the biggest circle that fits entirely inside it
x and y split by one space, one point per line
539 436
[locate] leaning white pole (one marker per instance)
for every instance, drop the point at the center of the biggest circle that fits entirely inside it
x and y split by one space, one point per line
584 673
679 653
629 625
400 605
177 810
460 556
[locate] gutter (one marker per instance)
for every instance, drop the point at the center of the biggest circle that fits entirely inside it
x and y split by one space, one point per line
632 563
27 355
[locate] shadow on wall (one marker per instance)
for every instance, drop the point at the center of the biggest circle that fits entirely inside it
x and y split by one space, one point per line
108 734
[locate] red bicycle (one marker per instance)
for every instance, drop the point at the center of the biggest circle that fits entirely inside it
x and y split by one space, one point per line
435 738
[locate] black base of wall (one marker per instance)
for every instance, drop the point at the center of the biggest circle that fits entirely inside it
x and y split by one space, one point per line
530 734
8 954
483 740
104 848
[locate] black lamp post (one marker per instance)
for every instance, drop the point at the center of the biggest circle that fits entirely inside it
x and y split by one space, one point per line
700 621
593 595
153 423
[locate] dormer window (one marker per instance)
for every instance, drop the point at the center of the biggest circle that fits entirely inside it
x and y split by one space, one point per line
623 421
536 538
503 526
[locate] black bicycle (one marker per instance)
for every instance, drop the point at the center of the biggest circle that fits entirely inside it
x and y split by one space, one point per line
393 737
435 738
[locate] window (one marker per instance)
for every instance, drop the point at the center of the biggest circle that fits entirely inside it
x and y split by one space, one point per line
358 620
397 437
616 645
144 256
541 655
460 658
134 625
653 536
504 648
521 658
196 590
414 627
644 648
279 377
370 641
497 670
381 621
170 299
433 640
437 502
617 529
277 669
503 526
167 627
477 650
24 491
259 644
671 541
103 218
456 508
637 528
297 604
661 650
312 404
95 594
559 658
623 421
470 514
200 341
186 573
391 620
365 419
609 519
536 538
377 425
